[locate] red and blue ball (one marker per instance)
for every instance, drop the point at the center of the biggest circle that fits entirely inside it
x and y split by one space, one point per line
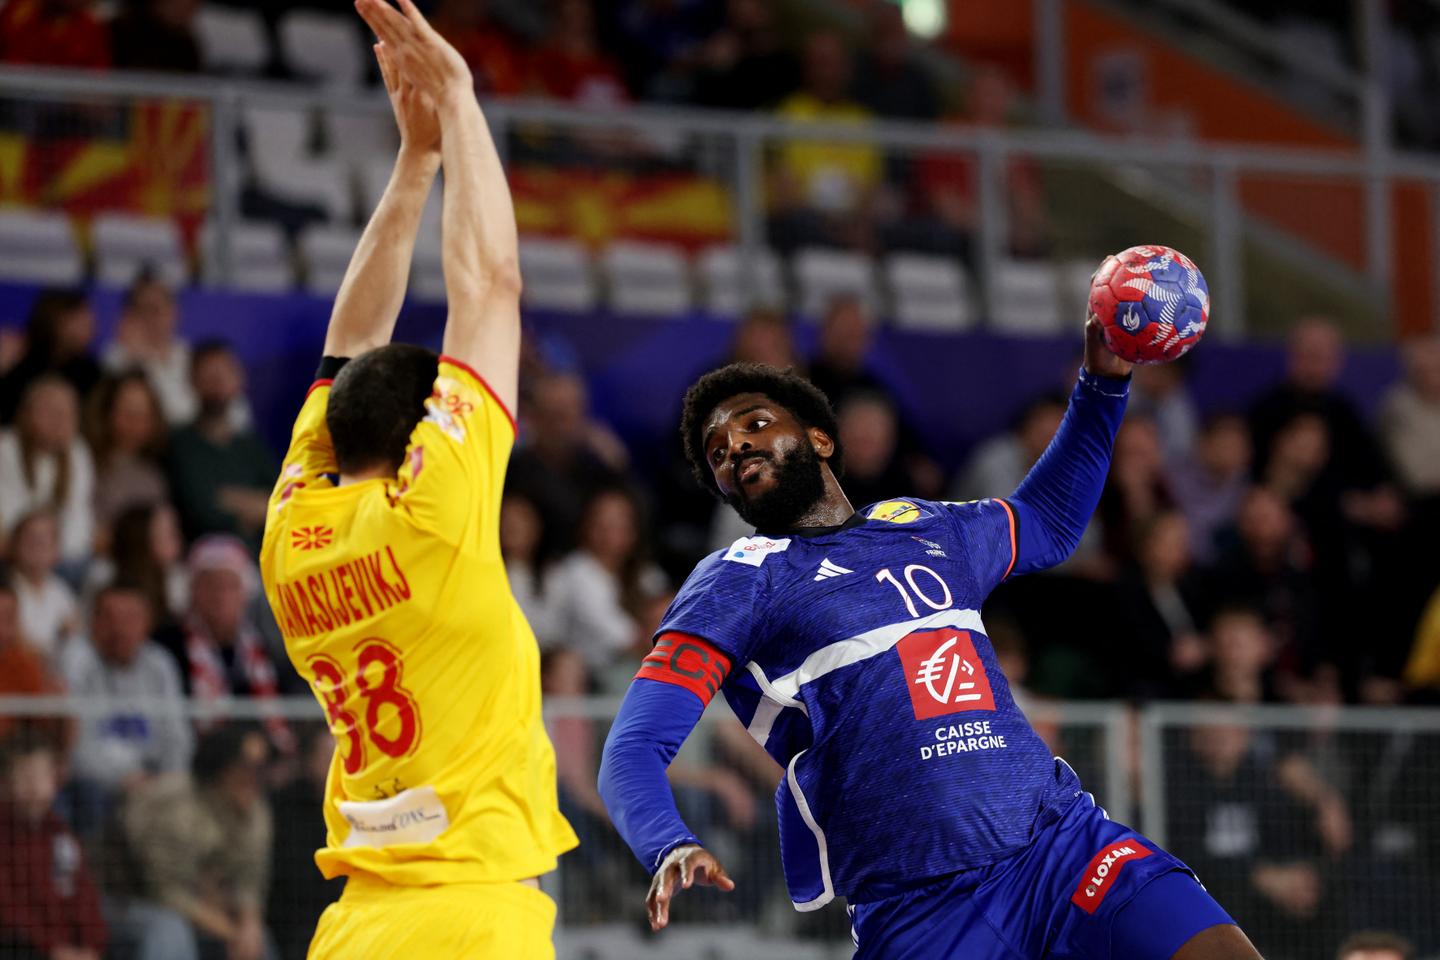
1152 303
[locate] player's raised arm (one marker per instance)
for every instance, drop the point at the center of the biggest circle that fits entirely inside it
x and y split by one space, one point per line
1055 501
374 287
481 262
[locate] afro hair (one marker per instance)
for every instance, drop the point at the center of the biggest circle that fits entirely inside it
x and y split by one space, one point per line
789 389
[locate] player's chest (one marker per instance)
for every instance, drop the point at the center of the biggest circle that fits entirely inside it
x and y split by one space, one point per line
833 592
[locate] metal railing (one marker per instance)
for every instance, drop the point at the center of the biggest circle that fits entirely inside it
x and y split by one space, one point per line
1199 184
1306 824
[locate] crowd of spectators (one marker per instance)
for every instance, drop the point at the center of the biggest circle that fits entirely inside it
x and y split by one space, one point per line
1268 555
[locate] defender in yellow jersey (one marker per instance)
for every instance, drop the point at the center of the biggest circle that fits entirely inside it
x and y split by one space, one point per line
381 560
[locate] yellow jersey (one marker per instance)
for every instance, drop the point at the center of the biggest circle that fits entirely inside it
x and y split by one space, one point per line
395 607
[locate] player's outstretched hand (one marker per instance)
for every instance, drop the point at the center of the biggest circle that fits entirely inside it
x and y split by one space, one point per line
1100 360
682 868
417 52
414 109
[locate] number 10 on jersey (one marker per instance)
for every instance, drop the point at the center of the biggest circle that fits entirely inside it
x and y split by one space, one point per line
943 602
387 718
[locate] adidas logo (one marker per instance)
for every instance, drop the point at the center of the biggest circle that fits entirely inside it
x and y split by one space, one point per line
828 570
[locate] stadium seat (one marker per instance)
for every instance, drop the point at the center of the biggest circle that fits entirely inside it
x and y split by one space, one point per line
232 40
647 279
928 293
125 244
1075 286
323 46
276 132
726 294
39 247
325 251
822 274
557 275
1027 298
352 133
318 181
260 260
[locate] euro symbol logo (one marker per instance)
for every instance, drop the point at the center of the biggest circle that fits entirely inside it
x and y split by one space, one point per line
934 669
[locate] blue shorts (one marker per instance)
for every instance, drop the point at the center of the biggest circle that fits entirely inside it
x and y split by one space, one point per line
1086 888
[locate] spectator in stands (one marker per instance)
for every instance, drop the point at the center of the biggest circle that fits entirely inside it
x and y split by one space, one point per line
565 456
23 671
156 35
870 433
45 465
49 904
146 549
221 474
1160 394
891 83
522 532
1242 657
58 331
1375 945
126 430
599 587
1410 422
53 33
146 337
841 363
1136 492
222 651
823 192
1162 601
744 65
49 616
118 751
495 57
1000 463
763 336
1229 819
202 844
571 65
1210 483
1264 563
299 893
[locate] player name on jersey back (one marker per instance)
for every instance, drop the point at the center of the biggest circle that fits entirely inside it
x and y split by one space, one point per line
346 593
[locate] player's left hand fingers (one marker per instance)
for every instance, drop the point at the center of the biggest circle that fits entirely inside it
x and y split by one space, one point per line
385 20
714 875
657 904
387 69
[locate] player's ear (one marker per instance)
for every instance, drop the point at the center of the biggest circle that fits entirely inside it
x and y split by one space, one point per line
820 440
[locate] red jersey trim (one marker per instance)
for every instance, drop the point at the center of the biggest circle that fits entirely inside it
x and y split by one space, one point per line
1010 514
316 386
1102 873
486 385
686 661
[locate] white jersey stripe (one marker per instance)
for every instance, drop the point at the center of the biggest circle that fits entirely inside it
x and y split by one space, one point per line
784 690
827 892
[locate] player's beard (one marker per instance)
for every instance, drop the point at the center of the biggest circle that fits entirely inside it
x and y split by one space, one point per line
799 485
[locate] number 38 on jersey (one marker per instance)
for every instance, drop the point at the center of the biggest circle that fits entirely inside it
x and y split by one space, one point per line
366 703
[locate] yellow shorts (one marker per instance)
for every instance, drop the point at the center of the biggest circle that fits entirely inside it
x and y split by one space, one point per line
375 920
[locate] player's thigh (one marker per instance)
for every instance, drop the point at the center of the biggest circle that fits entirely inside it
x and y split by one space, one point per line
1172 916
937 922
484 921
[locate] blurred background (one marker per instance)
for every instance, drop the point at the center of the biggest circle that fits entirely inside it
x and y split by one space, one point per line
906 200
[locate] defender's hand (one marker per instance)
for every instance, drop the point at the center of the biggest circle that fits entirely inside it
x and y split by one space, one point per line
414 109
419 54
685 865
1100 360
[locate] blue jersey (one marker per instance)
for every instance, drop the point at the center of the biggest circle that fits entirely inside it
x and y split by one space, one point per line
863 667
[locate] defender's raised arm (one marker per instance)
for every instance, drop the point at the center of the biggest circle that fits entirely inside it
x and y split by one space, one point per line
482 270
374 287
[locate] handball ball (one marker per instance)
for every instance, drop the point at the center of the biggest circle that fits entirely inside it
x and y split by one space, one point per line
1152 303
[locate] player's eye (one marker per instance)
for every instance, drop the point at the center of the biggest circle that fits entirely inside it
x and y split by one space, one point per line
760 423
716 456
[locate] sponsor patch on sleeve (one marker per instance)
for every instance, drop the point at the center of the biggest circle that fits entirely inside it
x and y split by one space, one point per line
752 551
1104 871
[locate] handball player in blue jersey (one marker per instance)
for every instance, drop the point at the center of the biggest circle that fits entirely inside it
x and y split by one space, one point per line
850 644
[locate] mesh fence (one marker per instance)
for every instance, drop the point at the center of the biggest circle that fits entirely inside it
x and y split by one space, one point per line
1305 825
145 829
